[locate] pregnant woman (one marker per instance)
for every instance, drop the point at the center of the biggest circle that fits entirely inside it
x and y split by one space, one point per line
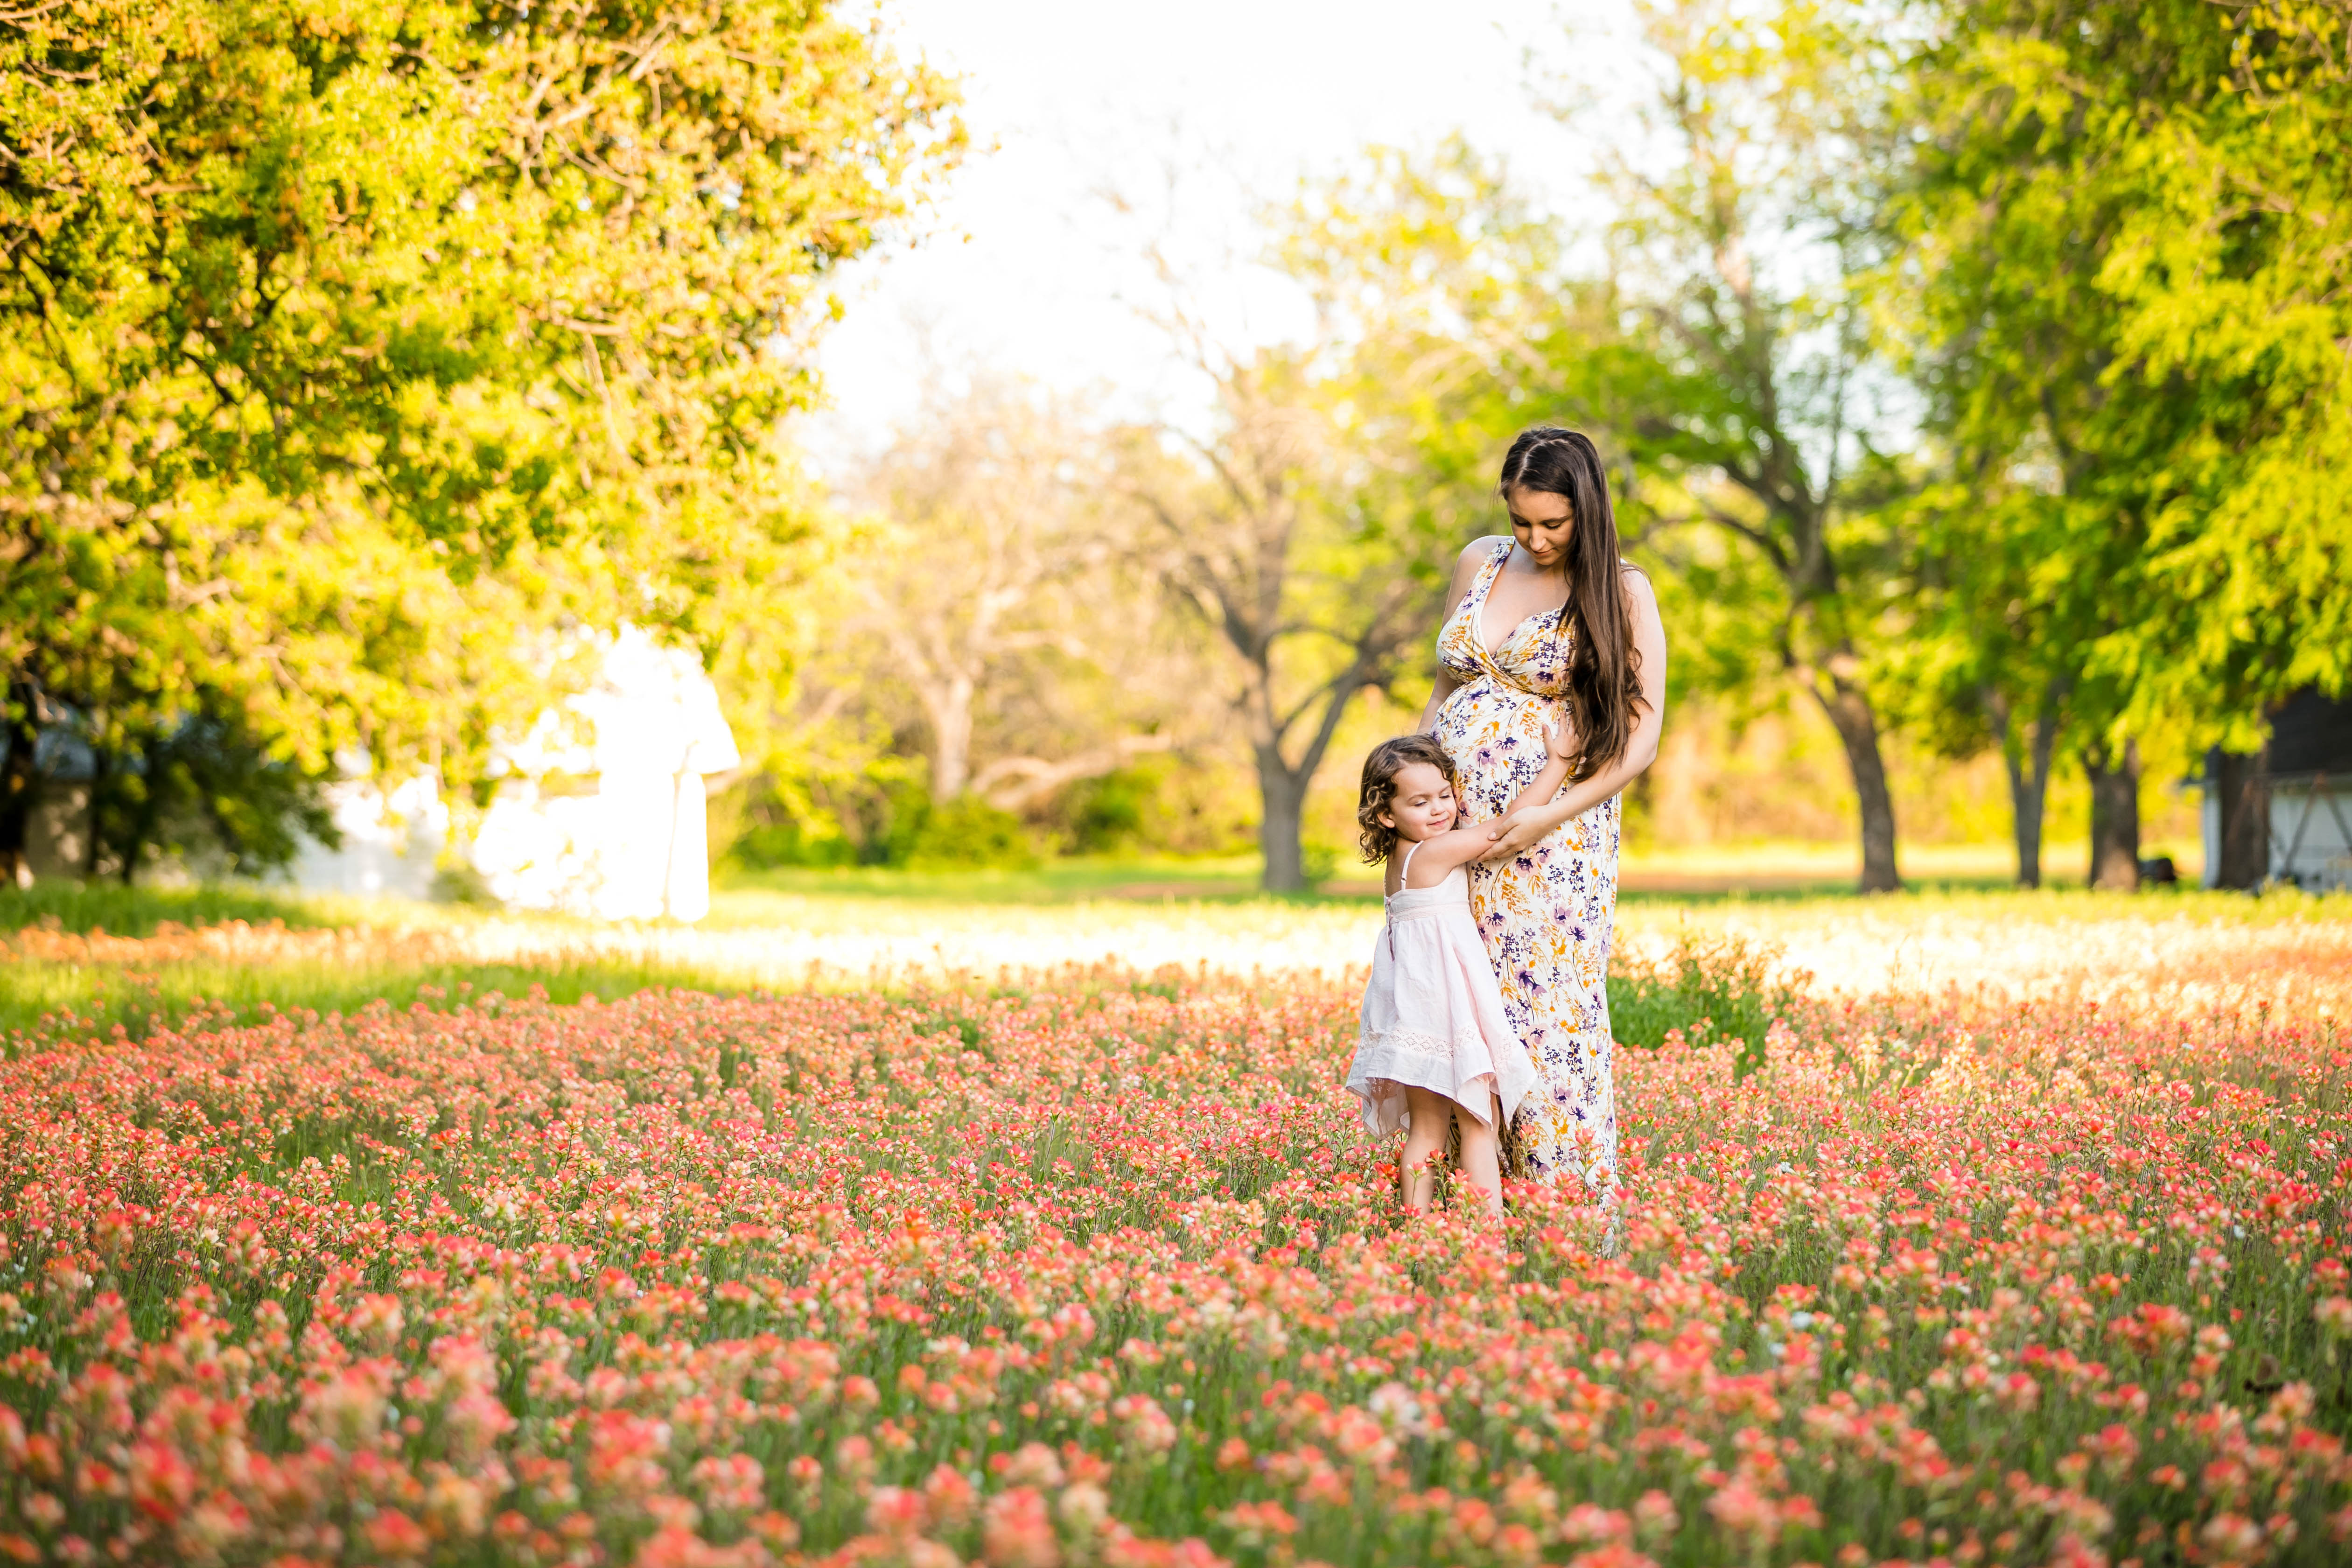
1550 613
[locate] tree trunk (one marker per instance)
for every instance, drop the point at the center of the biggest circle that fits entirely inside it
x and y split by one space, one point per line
2115 816
94 849
1282 785
19 791
2244 854
949 710
1849 709
2029 786
2024 818
144 817
1282 797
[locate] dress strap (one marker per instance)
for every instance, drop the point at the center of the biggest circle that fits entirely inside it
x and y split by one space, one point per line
1388 919
1495 559
1492 569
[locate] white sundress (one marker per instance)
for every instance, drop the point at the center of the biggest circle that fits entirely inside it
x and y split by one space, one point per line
1433 1015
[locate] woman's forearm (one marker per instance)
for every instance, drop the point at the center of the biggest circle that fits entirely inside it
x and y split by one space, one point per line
1582 797
1520 830
1541 788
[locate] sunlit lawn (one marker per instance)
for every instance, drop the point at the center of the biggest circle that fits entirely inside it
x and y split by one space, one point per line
1704 873
1076 879
2181 951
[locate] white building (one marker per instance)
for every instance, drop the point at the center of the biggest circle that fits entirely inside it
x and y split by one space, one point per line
2285 814
601 812
391 843
599 808
2312 845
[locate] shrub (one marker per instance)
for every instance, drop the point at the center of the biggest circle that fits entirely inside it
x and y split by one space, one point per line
1715 990
968 831
1112 812
794 815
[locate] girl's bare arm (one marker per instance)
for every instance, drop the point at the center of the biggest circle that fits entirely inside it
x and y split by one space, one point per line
1461 844
1448 850
1438 856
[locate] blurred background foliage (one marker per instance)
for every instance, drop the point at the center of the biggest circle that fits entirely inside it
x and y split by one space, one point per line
1971 371
352 357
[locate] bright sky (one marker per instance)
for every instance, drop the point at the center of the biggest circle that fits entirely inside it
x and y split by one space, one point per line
1028 270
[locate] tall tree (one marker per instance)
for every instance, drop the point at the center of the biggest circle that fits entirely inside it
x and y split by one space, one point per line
2001 627
1314 531
1745 211
2118 270
1016 501
1309 611
338 348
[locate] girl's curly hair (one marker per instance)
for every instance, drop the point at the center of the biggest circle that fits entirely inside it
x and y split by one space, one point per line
1390 758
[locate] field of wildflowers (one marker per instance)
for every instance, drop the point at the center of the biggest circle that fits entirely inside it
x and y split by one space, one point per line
1105 1271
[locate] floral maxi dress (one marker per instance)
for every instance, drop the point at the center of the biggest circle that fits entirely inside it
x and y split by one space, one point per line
1545 915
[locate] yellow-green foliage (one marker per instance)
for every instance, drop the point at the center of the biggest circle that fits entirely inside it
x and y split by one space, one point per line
341 348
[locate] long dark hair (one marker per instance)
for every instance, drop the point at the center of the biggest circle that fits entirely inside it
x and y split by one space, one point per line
1605 685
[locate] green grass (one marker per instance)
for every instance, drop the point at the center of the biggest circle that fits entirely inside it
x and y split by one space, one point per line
47 1000
1078 880
45 994
1760 876
1807 891
119 911
1708 987
1710 990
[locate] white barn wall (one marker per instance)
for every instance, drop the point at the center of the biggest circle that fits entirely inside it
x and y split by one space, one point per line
391 843
600 811
624 835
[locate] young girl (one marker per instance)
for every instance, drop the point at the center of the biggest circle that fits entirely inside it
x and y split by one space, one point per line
1434 1046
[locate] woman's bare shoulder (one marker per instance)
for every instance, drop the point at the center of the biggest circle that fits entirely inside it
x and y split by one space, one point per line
1641 604
1466 566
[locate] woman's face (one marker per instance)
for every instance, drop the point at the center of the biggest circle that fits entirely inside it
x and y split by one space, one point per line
1422 803
1541 520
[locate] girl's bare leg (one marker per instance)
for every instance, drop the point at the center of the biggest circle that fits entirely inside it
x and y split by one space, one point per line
1482 1155
1424 1137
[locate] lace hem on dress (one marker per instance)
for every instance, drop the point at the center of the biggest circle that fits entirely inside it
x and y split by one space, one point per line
1483 1111
1416 1045
1392 1060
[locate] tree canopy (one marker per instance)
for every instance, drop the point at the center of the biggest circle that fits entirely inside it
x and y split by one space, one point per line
2120 281
343 347
1969 367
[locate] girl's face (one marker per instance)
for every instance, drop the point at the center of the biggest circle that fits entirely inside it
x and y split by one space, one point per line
1541 520
1421 803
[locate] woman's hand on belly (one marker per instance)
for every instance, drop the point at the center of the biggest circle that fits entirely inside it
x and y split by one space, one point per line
1520 831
